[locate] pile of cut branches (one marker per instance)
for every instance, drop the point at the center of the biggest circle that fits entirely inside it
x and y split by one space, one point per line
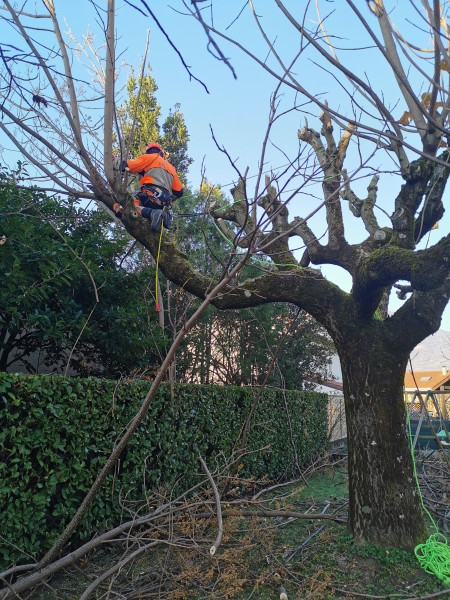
233 538
168 546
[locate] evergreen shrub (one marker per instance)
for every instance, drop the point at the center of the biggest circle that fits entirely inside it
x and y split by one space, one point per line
57 432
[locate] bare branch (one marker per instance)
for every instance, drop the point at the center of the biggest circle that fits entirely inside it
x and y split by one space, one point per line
43 141
218 539
211 41
68 71
109 94
49 77
122 443
117 567
364 208
36 162
163 31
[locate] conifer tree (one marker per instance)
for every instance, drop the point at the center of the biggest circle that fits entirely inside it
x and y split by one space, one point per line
142 108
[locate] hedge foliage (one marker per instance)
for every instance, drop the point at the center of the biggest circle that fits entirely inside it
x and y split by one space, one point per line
56 433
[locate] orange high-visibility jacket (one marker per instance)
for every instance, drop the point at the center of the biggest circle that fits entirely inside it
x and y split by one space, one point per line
156 171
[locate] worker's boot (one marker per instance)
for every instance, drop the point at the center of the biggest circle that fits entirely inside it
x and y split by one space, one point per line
156 219
156 216
153 214
166 218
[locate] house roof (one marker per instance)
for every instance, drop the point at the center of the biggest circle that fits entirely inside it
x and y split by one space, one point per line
328 383
426 380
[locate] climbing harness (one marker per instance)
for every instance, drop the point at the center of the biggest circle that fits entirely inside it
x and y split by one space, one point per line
154 194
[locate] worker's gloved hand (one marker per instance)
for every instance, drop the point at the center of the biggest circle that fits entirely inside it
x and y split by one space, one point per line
119 164
118 210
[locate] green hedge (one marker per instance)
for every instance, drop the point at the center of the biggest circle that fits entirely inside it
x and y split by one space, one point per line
56 433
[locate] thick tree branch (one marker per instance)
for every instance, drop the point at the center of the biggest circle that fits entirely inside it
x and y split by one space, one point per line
424 269
305 288
364 208
331 185
330 160
423 313
408 202
433 207
276 242
391 55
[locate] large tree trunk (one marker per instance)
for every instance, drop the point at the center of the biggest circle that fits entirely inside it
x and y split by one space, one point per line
384 505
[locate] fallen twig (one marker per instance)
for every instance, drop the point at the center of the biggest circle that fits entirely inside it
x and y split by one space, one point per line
274 513
276 486
218 539
303 544
94 585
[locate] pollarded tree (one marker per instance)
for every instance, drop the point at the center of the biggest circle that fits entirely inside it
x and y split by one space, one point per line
383 505
373 349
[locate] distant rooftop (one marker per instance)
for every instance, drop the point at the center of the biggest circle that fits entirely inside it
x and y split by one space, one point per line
427 380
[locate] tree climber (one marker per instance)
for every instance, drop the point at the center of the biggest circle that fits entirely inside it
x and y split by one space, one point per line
159 184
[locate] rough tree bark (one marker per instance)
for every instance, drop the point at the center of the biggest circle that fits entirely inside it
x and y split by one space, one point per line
383 502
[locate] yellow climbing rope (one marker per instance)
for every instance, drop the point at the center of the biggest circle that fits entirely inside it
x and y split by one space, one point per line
157 263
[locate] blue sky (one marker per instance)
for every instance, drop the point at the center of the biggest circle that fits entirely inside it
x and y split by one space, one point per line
237 109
